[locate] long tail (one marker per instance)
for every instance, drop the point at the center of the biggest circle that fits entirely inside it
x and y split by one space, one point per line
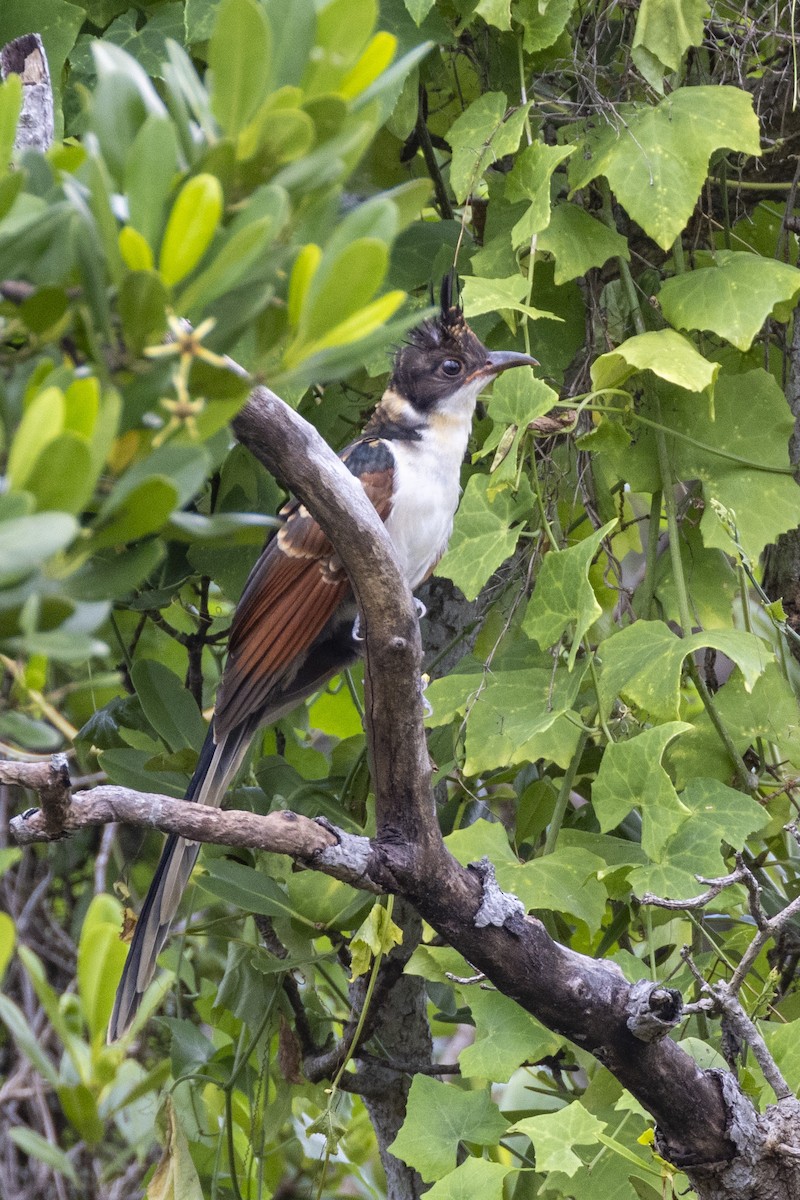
216 767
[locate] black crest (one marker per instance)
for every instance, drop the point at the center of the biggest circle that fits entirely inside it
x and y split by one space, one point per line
423 368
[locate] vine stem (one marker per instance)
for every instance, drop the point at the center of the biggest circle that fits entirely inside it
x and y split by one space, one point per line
667 483
651 552
562 800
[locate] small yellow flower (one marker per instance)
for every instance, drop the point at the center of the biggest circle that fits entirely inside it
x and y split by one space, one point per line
183 409
187 344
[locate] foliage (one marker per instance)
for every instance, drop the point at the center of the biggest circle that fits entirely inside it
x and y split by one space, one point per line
290 178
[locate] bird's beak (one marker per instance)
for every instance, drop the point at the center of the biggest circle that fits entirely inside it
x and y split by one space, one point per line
498 361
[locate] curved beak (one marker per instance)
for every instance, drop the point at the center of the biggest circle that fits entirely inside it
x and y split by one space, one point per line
498 361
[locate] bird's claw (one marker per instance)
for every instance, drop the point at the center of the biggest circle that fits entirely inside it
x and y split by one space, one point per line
420 607
358 636
427 707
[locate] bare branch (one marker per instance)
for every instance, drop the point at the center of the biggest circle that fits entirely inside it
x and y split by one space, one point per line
26 57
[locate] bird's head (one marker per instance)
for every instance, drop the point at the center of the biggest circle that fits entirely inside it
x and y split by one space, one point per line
444 366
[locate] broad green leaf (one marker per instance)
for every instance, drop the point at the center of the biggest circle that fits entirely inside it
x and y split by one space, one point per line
185 466
42 421
25 542
373 62
35 1146
784 1046
239 56
62 478
661 351
485 132
474 1177
630 776
142 305
82 405
495 12
80 1108
143 509
560 882
489 295
717 814
363 264
665 30
543 22
419 9
564 595
192 223
343 29
482 536
579 242
751 422
656 159
505 1037
111 574
168 706
135 250
101 954
325 902
529 179
769 712
249 890
554 1134
293 30
438 1118
643 663
246 247
353 329
733 298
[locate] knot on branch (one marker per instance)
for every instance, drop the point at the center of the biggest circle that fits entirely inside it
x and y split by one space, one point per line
348 858
652 1010
51 780
497 907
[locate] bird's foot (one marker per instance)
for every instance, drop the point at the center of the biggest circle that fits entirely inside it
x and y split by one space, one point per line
420 607
358 636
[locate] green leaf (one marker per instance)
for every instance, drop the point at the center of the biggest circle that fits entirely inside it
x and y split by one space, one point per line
495 12
505 1037
642 664
474 1177
33 1144
480 136
419 9
661 351
25 542
150 169
489 295
10 104
175 1177
101 955
192 223
542 23
751 421
529 179
656 159
554 1134
578 242
665 30
8 939
168 706
142 304
239 57
482 537
112 574
439 1117
618 787
142 510
733 298
249 890
717 814
62 478
363 264
42 421
377 934
25 1040
564 595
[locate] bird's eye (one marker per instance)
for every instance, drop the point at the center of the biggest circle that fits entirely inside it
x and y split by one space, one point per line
451 366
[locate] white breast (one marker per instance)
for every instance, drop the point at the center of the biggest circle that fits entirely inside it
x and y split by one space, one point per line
426 493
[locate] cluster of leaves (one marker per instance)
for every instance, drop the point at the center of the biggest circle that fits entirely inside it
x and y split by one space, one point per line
623 723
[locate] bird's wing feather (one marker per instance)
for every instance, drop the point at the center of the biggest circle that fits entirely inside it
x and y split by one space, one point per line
292 593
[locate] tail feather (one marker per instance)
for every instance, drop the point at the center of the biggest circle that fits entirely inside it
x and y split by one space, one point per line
216 767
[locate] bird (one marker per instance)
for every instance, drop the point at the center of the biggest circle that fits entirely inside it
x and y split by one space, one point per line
296 623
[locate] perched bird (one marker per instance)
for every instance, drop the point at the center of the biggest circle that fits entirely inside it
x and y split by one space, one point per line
294 625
